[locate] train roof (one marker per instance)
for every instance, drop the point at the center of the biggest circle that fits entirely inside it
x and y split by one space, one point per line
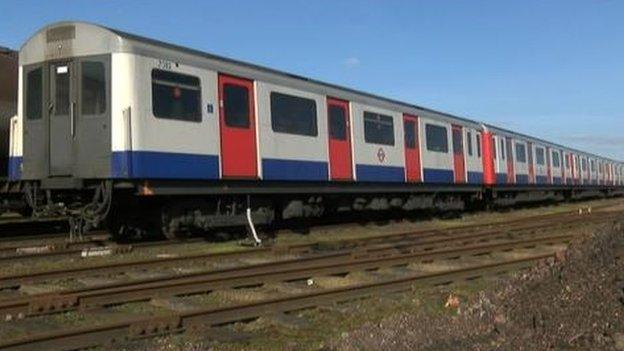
113 40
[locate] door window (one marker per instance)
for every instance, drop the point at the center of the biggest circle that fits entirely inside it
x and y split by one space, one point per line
61 91
410 134
93 84
457 142
337 122
34 94
236 106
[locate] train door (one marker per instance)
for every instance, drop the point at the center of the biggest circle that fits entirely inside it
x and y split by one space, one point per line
412 148
238 128
340 158
549 179
530 161
511 176
563 172
61 109
458 155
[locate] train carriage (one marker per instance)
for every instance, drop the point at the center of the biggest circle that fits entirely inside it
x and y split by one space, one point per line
197 140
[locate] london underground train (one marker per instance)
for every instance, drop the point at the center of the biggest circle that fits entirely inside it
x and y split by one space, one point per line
151 135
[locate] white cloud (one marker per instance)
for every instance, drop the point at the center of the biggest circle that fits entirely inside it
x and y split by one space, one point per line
351 62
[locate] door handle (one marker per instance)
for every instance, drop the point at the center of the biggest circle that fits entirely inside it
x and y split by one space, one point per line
72 119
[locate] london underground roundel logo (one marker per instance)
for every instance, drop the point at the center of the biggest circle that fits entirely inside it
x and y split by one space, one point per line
381 155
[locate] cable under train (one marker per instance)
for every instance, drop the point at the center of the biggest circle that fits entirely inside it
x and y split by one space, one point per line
143 135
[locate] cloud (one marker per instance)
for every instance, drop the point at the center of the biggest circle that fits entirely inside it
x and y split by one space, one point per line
351 62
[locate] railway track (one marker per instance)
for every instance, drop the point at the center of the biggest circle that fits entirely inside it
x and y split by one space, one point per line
278 271
426 237
143 327
339 258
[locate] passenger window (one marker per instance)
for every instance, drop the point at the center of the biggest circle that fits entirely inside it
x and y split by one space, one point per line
34 92
502 148
236 106
337 122
520 153
437 138
378 129
293 115
176 96
592 165
555 159
539 156
93 94
410 134
478 146
469 139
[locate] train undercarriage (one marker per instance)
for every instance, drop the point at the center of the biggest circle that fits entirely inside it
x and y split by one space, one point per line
174 209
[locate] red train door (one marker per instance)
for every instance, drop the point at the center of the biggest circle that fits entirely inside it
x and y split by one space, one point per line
548 169
511 176
530 160
238 128
562 165
412 148
340 164
458 155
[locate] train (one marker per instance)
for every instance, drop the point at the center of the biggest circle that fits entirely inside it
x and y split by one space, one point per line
140 135
10 194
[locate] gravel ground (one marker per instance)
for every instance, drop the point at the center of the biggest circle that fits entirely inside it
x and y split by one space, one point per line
573 302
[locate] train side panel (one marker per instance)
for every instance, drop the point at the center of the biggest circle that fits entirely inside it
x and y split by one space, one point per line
378 143
291 151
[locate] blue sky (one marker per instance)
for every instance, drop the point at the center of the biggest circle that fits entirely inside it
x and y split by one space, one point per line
552 69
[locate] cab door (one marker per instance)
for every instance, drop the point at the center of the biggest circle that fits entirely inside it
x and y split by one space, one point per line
412 148
62 111
458 155
340 158
238 128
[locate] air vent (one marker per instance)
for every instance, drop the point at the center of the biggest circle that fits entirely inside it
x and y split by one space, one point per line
61 33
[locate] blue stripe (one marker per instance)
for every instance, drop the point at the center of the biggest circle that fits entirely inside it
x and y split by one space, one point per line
522 178
501 178
438 175
275 169
541 179
369 173
15 167
475 177
164 165
557 180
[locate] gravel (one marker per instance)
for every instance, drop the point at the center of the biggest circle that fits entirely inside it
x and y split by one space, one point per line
574 301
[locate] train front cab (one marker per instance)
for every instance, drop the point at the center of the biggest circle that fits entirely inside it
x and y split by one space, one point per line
64 105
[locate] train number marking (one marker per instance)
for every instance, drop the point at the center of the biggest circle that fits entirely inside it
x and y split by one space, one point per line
164 64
